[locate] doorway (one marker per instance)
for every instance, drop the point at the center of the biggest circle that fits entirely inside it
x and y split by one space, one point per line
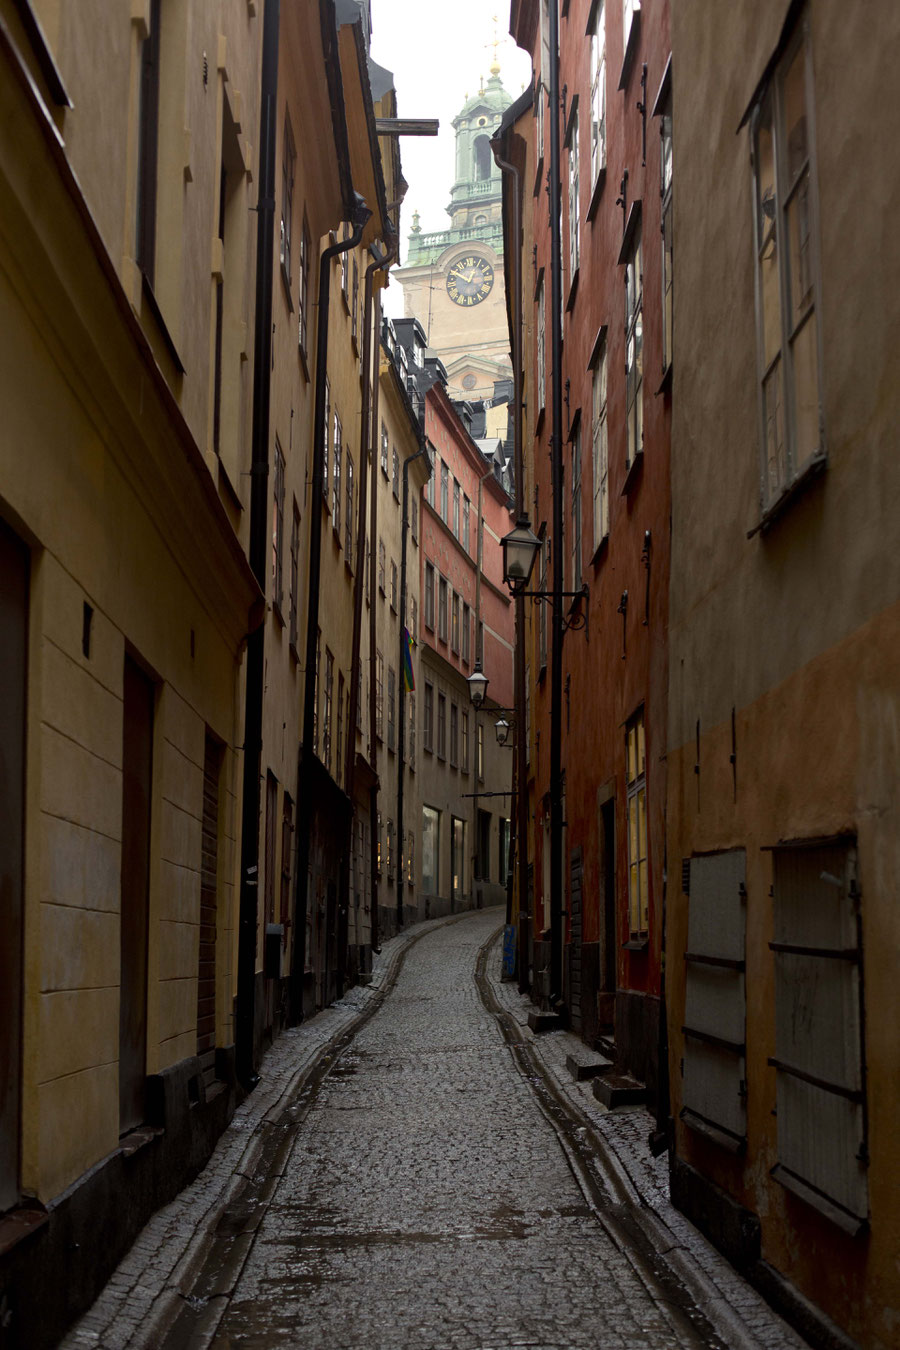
137 764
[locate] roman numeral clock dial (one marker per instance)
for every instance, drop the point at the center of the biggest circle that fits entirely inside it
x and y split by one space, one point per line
470 280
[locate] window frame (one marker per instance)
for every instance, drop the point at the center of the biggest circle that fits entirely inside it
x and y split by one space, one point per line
638 865
597 31
428 718
600 446
278 529
428 615
634 343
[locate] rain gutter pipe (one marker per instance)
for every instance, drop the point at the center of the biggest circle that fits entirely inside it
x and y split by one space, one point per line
360 214
245 1013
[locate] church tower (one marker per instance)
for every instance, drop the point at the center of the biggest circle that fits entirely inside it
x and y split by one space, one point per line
453 279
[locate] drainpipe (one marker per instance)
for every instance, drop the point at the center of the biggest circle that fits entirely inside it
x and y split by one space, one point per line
367 448
401 729
556 821
248 912
520 817
373 586
359 216
479 654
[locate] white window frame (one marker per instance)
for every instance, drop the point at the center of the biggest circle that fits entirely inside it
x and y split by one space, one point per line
634 351
600 448
598 93
636 828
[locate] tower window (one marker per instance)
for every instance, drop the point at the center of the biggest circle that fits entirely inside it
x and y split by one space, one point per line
483 158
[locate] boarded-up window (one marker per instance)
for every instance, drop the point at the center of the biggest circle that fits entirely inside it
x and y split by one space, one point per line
715 1001
821 1107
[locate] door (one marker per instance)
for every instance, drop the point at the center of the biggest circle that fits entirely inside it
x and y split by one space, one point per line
137 762
457 861
607 862
13 674
576 873
209 877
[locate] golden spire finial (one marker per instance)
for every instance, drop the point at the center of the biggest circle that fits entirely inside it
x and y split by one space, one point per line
495 64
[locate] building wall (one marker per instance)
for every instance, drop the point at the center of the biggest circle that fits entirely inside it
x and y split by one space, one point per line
791 631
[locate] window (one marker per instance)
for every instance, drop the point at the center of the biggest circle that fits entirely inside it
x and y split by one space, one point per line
503 833
429 596
574 221
431 846
295 560
665 191
445 491
395 473
288 159
454 735
278 528
465 533
576 510
410 858
541 344
354 308
380 845
786 274
411 736
600 451
336 493
348 523
148 144
714 1070
631 11
316 694
344 267
441 727
384 449
339 755
394 600
303 291
598 94
483 846
442 609
389 852
542 615
428 718
382 562
414 519
819 1029
414 619
326 710
454 622
379 695
430 486
464 742
466 636
326 457
456 508
634 353
479 643
479 751
636 797
392 709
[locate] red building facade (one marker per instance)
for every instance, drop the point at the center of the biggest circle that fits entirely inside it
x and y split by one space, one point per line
615 172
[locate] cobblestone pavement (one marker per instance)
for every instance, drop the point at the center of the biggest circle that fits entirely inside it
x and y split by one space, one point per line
420 1193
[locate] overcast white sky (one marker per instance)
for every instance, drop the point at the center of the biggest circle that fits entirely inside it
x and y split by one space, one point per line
439 50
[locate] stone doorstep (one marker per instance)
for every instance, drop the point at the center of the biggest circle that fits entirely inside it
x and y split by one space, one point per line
583 1065
545 1021
618 1089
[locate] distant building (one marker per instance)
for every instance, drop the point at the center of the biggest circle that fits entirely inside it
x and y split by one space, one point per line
453 279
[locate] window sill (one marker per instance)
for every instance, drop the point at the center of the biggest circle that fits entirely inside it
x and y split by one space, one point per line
847 1222
600 551
633 472
276 611
596 194
630 49
293 650
286 283
539 421
336 530
732 1143
538 177
304 361
573 292
805 477
153 306
665 384
636 944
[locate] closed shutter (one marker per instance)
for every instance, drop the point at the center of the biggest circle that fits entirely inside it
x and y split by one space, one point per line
822 1146
715 1005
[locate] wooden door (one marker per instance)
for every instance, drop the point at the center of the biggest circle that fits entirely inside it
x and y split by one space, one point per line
137 762
13 676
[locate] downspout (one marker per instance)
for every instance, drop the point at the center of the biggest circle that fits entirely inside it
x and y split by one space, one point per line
359 217
366 455
401 730
520 817
556 822
248 912
373 583
479 650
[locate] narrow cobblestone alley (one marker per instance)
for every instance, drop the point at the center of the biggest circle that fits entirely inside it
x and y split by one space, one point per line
417 1195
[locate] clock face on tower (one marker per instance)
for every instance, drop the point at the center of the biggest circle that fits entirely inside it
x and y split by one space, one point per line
470 280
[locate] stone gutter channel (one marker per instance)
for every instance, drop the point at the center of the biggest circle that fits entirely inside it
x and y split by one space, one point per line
174 1286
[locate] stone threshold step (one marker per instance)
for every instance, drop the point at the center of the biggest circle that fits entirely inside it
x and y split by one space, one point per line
545 1021
618 1089
583 1065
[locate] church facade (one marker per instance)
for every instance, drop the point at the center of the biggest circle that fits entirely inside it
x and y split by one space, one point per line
453 279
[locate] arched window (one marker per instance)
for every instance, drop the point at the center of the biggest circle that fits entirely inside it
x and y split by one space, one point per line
483 158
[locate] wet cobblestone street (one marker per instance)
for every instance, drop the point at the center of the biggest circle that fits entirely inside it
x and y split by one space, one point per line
417 1191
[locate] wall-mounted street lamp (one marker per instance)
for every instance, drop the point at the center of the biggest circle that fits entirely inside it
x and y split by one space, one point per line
502 728
478 683
520 549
